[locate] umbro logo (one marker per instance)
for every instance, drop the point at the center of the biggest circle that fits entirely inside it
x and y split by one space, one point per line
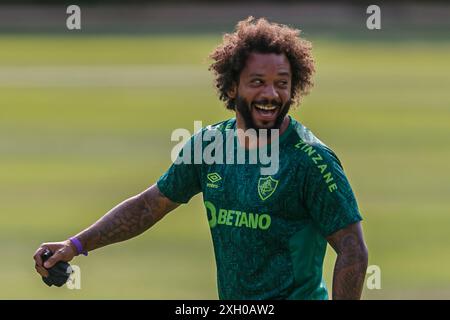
214 179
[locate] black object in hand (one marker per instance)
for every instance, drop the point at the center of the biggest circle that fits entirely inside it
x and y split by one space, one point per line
58 274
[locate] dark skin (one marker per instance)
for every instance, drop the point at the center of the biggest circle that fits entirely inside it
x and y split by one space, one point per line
125 221
266 77
351 262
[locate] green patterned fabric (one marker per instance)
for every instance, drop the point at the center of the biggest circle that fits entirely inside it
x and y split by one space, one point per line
269 232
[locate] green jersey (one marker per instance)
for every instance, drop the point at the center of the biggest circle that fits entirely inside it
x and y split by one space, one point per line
269 232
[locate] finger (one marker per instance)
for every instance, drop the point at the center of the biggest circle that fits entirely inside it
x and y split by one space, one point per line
41 271
37 255
53 259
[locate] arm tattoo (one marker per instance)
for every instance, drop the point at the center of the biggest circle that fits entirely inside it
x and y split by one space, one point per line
127 220
351 262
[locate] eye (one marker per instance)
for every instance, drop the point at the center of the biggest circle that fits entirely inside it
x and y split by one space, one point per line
256 81
283 83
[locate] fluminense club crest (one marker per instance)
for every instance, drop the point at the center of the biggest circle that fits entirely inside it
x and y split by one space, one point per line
266 187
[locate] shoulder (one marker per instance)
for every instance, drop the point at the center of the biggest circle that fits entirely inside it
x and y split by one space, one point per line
311 151
213 134
322 169
219 127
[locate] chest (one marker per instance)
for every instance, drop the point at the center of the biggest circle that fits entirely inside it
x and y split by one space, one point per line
243 188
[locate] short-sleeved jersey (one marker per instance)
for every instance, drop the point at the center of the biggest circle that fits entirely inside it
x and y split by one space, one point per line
269 231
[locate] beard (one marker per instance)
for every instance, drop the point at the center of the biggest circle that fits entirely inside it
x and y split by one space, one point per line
245 110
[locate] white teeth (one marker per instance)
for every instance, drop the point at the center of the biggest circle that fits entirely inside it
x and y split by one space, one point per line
265 107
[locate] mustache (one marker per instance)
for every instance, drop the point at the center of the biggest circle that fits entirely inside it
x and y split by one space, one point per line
266 102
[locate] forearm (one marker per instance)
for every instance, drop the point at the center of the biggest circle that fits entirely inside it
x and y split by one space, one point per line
351 262
127 220
349 275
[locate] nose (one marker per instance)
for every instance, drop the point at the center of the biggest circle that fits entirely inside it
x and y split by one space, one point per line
269 93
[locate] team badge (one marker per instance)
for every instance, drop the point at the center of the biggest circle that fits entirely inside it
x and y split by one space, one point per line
266 187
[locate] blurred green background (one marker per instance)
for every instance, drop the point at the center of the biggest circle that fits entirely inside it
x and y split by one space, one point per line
86 119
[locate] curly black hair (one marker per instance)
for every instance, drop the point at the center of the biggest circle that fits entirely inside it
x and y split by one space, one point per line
261 36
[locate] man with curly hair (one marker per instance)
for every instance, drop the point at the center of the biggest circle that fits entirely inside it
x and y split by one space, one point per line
269 232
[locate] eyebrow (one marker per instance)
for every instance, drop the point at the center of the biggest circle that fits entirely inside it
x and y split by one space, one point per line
282 73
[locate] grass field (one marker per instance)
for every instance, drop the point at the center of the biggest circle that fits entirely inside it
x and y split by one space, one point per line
85 122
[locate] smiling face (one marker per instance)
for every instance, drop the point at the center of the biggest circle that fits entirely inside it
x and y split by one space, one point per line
263 96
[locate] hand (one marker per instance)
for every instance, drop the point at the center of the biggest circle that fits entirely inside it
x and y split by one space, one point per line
62 251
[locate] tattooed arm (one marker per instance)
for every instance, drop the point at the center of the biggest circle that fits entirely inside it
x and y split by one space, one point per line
351 262
127 220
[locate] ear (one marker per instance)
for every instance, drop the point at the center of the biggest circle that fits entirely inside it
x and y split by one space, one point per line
232 92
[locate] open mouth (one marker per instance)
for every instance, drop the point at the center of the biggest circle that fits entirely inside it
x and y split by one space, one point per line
266 111
267 107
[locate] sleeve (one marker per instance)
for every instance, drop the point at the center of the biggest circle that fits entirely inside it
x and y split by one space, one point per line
182 180
329 198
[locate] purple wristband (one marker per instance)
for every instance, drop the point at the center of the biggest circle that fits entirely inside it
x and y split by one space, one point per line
78 245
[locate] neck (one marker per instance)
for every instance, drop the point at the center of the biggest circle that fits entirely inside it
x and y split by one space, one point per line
257 141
